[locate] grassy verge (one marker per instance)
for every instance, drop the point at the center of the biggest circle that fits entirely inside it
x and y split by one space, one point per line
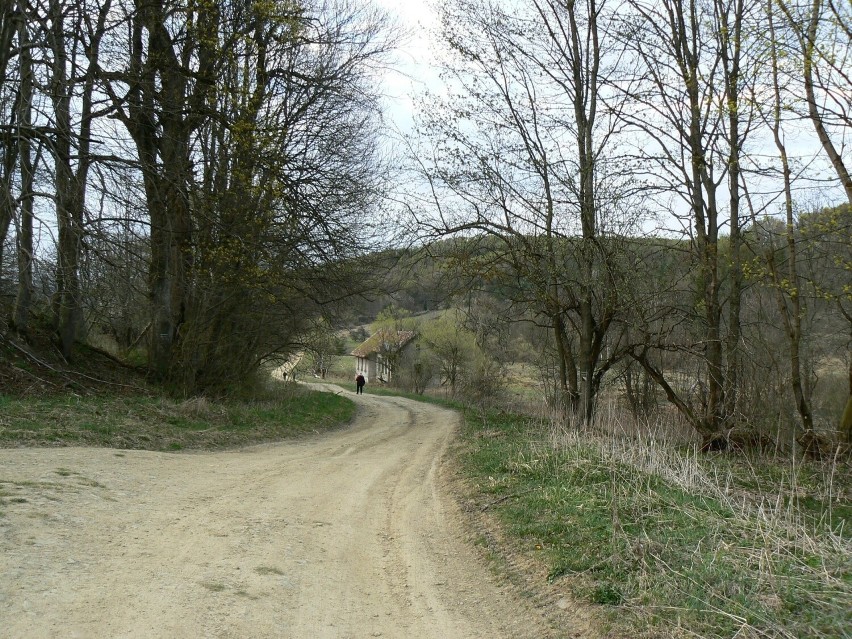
671 543
158 423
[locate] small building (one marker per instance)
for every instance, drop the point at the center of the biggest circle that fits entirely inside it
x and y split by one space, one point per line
376 358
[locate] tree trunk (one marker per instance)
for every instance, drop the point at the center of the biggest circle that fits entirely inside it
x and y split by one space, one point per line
588 362
705 216
585 94
568 383
9 26
808 39
731 51
706 225
787 295
70 194
846 419
695 420
23 299
159 125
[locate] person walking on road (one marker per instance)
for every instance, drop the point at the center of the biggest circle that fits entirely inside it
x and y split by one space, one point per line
359 384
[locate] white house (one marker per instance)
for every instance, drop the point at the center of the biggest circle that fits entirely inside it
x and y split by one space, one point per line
376 357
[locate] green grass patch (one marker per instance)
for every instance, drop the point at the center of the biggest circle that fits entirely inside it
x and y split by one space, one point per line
159 423
671 543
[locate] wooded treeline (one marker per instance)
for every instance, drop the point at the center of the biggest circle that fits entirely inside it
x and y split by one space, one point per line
569 129
194 179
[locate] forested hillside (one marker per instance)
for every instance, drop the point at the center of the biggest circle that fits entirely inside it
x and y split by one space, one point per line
653 349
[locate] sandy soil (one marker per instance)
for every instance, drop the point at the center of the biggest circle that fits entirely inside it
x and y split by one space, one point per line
349 535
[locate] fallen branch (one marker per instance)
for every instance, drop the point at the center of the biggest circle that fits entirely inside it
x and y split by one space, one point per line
35 377
67 374
30 356
505 498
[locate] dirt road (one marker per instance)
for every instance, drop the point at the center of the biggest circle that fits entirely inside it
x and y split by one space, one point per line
348 535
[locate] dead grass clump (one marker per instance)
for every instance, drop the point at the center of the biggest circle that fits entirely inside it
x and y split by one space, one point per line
200 408
712 545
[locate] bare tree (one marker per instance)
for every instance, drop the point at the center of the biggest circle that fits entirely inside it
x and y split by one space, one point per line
786 283
73 34
735 24
823 31
519 160
687 103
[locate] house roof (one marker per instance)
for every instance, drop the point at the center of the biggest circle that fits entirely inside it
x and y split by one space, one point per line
384 340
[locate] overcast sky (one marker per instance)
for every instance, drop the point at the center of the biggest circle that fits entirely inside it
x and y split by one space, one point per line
413 59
